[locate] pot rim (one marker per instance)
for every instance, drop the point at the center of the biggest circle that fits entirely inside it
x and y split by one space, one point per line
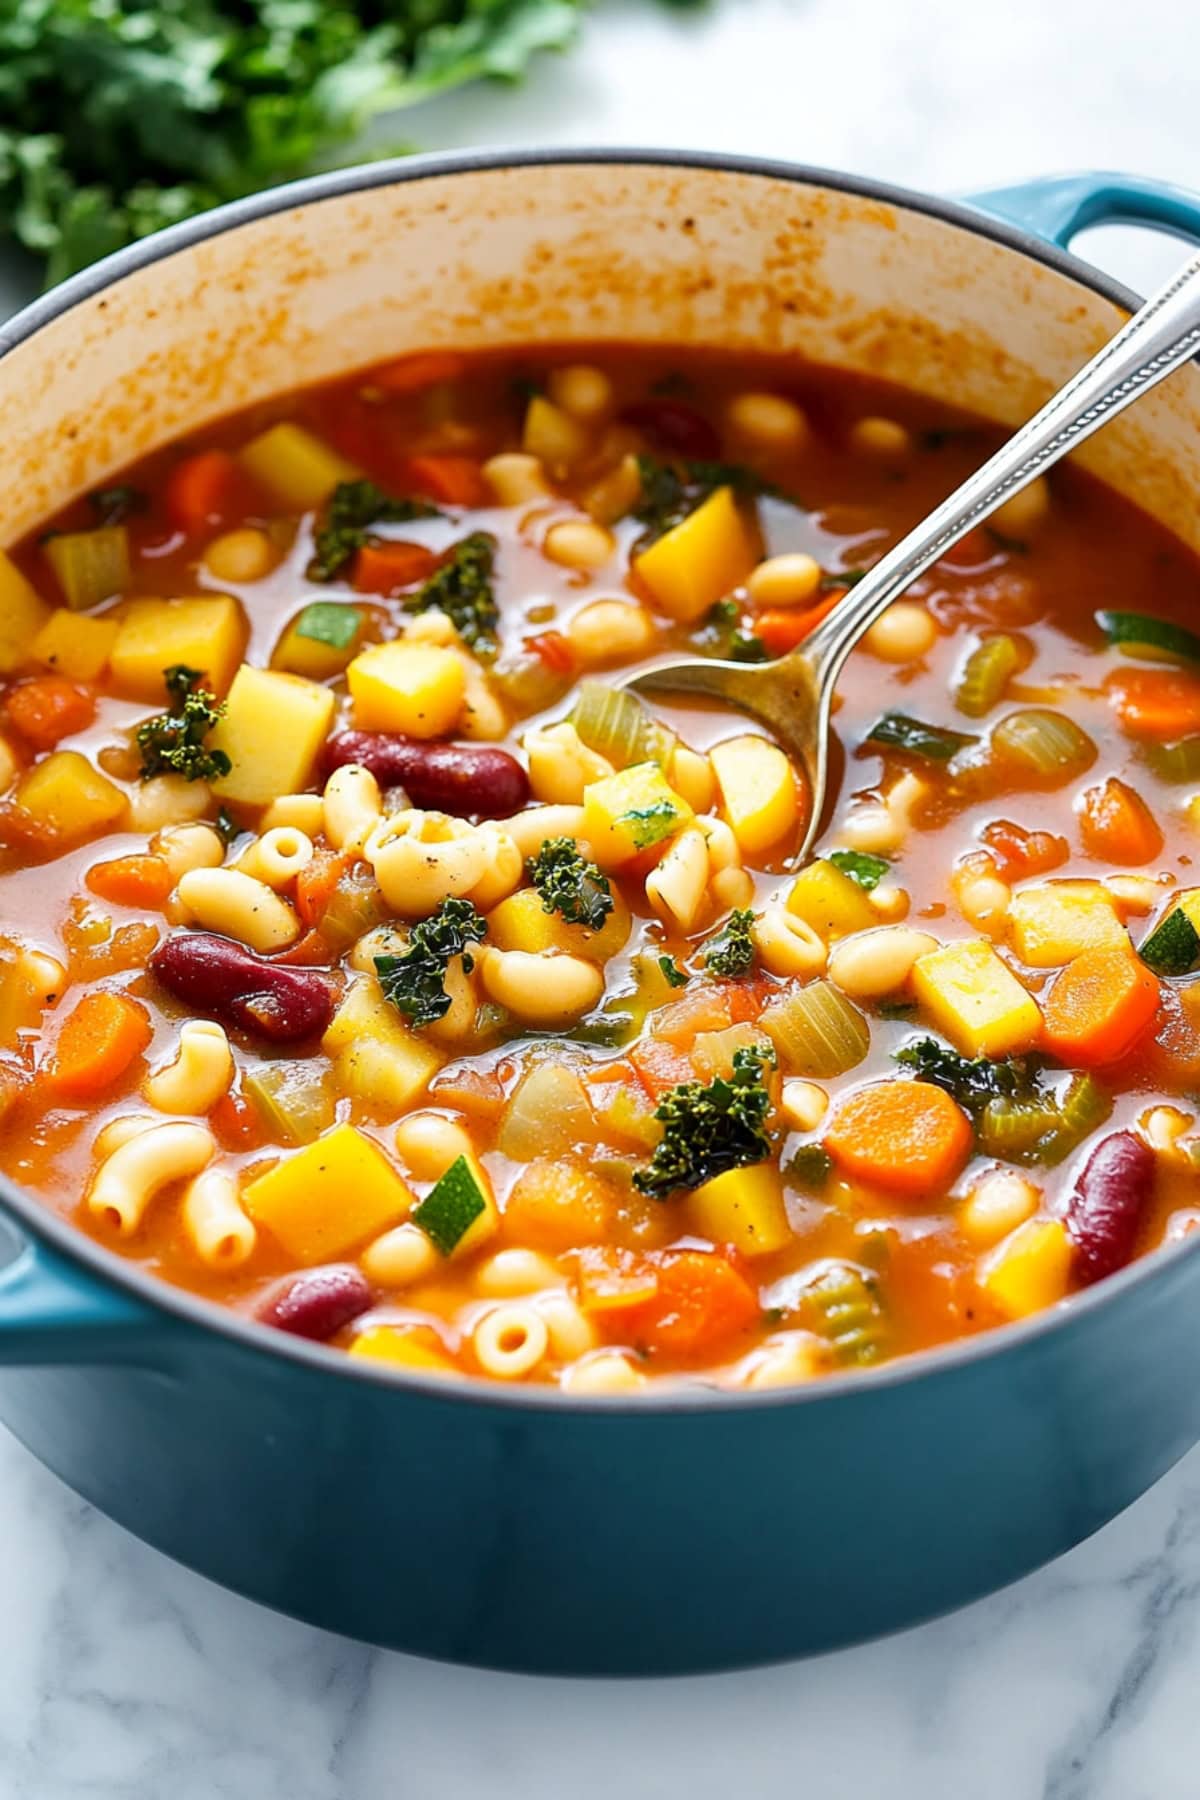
45 1225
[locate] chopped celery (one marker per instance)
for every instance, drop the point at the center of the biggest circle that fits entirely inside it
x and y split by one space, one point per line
1010 1127
90 565
986 673
1043 746
1179 761
816 1031
295 1099
844 1307
1084 1106
355 906
615 724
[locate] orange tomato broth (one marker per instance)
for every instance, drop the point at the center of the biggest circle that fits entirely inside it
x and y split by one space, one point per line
867 1267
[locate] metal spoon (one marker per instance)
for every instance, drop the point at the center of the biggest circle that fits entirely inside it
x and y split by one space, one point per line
793 695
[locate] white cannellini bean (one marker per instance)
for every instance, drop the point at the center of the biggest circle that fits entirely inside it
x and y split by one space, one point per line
905 633
804 1104
870 964
996 1205
239 906
540 988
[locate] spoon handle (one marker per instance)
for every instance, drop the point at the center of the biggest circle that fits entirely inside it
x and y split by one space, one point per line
1159 337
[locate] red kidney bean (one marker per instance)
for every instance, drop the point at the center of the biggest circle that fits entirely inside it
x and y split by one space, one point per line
674 428
1106 1207
317 1303
470 780
222 980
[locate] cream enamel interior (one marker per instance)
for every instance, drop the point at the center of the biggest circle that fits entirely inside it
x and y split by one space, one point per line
562 252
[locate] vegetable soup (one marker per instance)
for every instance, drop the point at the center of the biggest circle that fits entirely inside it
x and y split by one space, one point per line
375 965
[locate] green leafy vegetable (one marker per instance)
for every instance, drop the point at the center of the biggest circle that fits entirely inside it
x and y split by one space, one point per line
113 505
570 885
461 587
450 1207
970 1081
173 742
354 506
675 977
329 622
809 1168
722 633
672 490
897 731
415 979
710 1127
861 866
731 951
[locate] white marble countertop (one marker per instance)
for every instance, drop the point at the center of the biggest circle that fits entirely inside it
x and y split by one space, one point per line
127 1678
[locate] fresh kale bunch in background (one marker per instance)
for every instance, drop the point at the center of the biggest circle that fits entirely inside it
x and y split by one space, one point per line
121 116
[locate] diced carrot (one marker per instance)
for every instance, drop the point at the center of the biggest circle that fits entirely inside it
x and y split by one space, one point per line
612 1279
555 1205
700 1302
1155 703
97 1043
202 490
385 568
409 374
454 480
1099 1006
316 882
661 1066
237 1122
1117 826
1017 851
34 838
746 997
478 1092
908 1136
311 952
143 881
782 628
680 1021
47 709
554 650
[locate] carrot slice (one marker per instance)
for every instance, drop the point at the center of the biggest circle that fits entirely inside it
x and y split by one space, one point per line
1155 703
1018 852
143 881
316 882
1117 826
680 1021
47 709
782 628
385 568
1099 1006
97 1043
554 650
201 492
409 374
907 1136
454 480
700 1301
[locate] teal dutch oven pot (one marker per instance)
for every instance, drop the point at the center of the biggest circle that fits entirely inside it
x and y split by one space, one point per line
688 1529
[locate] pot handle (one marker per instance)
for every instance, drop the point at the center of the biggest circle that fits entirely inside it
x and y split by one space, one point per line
1058 207
53 1310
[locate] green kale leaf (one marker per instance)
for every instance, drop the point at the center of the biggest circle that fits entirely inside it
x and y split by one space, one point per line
710 1127
570 885
415 979
731 950
173 742
354 507
461 587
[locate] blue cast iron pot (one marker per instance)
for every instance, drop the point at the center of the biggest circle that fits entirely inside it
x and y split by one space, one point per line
518 1528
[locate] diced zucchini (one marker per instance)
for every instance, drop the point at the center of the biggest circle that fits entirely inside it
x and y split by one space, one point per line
932 743
758 791
1173 946
701 559
458 1213
1029 1269
415 688
272 732
1143 636
329 1197
90 565
743 1208
65 793
76 646
296 466
320 640
1058 920
22 614
975 1000
207 634
830 901
630 811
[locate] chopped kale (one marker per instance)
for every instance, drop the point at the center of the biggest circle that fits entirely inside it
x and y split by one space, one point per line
722 633
861 866
674 975
353 508
173 742
570 885
227 826
731 951
710 1127
113 505
415 979
809 1168
461 587
672 490
972 1082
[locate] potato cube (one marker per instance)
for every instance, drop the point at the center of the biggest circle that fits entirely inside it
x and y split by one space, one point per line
630 811
295 466
975 999
1052 923
22 614
272 733
207 634
320 640
830 902
758 790
404 1347
1029 1269
521 922
329 1197
70 797
77 646
698 561
743 1207
415 688
377 1057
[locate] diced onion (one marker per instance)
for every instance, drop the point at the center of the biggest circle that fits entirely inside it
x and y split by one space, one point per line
613 722
1043 746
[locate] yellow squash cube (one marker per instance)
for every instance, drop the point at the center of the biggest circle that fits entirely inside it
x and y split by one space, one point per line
415 688
975 999
66 793
75 645
630 811
329 1197
758 791
402 1347
522 923
272 733
22 614
207 634
1029 1269
744 1208
320 640
1057 921
698 561
296 466
830 902
377 1058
